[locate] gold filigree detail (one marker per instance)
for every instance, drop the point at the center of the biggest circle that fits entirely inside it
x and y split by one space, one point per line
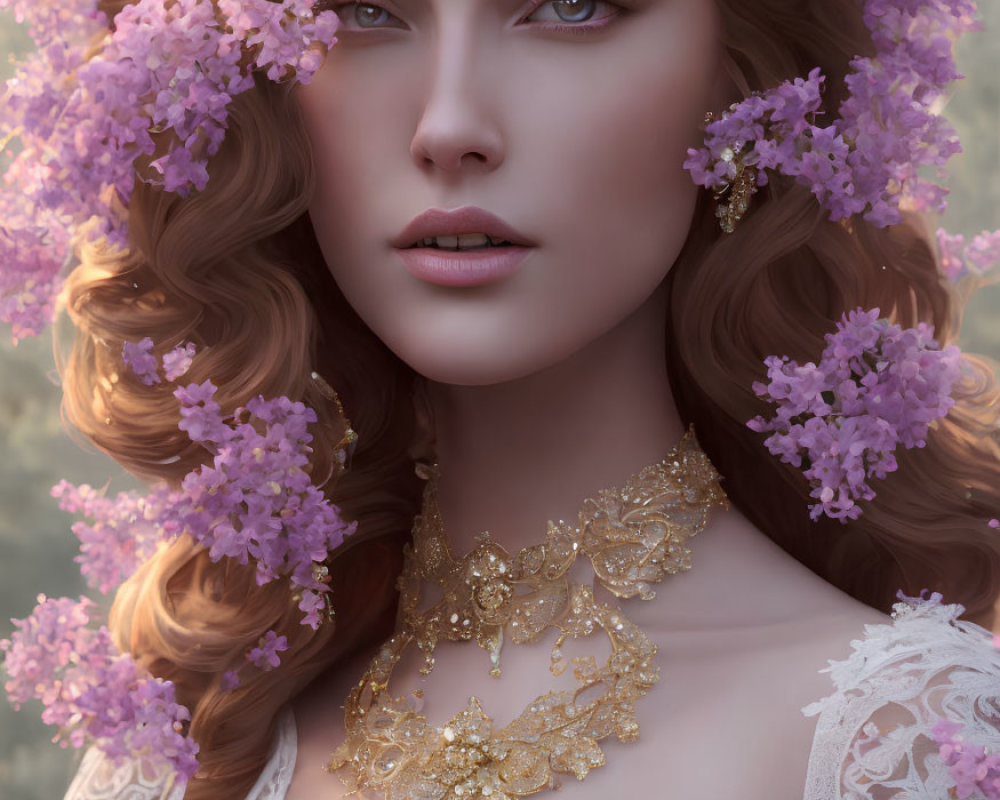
734 198
633 536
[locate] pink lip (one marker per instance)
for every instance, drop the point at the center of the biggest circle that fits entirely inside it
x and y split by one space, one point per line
468 219
457 267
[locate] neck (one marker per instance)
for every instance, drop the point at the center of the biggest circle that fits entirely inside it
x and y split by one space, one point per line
517 454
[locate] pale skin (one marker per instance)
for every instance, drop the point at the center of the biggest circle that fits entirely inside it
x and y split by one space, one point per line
551 385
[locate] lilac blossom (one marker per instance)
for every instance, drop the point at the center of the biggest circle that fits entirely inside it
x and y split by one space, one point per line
253 501
876 386
177 362
91 691
157 90
974 770
125 533
138 356
868 159
30 280
265 655
959 258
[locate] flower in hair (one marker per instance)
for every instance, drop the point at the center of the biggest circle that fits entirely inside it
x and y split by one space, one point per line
125 533
91 691
867 160
177 362
139 358
877 386
254 500
265 655
94 104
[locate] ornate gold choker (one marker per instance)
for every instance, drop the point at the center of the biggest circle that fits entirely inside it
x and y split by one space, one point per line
633 537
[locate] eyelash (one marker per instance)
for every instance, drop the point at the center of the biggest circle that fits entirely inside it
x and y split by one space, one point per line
582 29
615 13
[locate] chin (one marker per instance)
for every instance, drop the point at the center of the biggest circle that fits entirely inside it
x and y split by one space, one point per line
472 368
482 360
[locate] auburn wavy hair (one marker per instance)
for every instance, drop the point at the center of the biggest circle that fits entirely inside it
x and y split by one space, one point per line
236 269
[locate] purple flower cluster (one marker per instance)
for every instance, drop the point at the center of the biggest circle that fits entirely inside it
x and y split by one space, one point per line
139 357
91 691
29 277
979 257
255 500
157 93
868 160
177 362
876 386
286 38
974 770
125 533
265 655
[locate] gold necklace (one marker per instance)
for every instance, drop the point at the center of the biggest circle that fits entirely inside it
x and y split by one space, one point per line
633 537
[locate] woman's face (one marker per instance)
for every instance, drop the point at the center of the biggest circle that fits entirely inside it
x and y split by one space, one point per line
557 125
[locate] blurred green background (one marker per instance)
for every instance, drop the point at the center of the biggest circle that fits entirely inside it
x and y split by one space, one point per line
37 547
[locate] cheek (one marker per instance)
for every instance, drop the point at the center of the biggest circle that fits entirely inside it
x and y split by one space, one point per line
356 116
615 175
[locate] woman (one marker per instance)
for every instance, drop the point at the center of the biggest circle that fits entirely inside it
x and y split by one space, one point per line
543 147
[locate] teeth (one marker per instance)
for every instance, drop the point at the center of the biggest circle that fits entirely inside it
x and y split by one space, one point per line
465 241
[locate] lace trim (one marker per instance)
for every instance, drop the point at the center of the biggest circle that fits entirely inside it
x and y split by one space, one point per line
276 776
872 738
99 779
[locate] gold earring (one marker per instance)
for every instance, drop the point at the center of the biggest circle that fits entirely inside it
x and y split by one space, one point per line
349 439
734 198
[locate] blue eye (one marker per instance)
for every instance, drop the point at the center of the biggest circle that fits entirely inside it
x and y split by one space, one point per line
574 11
354 16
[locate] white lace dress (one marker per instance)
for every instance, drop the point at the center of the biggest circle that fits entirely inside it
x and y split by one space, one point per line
872 739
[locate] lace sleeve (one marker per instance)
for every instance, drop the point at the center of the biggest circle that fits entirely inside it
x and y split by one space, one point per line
100 779
276 776
873 735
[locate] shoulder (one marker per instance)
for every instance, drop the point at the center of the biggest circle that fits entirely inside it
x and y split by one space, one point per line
101 778
908 686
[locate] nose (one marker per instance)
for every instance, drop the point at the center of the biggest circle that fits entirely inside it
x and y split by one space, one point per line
458 129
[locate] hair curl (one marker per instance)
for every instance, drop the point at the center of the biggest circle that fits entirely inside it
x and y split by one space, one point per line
236 270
